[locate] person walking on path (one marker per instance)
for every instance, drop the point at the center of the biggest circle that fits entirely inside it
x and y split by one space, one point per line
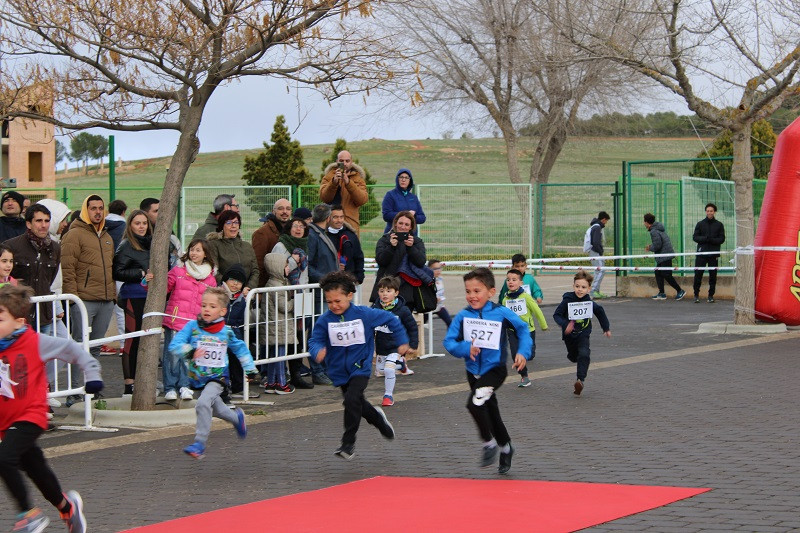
593 243
662 245
709 234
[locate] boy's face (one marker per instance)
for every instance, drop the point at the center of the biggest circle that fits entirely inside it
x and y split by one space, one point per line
212 308
581 287
477 293
437 269
513 282
522 266
9 324
234 285
338 301
387 294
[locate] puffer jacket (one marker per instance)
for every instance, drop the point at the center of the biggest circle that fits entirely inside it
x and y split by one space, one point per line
661 243
87 254
130 266
398 200
280 328
185 296
389 259
228 252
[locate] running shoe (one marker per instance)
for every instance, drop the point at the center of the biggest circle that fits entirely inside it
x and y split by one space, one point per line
680 295
386 428
524 382
388 401
505 460
488 455
171 396
241 424
75 519
345 451
284 389
197 449
34 521
186 393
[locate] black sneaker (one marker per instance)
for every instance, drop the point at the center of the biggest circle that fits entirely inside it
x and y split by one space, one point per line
488 455
346 451
697 299
711 300
321 379
505 460
300 383
386 428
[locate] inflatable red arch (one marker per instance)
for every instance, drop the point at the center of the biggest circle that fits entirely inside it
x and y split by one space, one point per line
778 273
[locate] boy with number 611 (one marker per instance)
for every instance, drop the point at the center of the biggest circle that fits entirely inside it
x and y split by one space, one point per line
574 315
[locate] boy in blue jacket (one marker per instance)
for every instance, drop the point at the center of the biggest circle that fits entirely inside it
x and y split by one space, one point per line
343 336
574 315
205 343
478 335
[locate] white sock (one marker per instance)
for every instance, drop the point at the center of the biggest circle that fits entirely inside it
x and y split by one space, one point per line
491 444
506 448
389 378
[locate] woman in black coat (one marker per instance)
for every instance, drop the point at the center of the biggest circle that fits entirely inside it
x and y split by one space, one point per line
131 266
395 245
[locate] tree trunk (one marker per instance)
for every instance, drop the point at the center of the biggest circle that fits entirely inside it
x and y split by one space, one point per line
144 393
742 174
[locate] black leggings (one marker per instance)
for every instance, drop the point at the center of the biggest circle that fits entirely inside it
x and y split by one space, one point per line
487 416
134 309
19 453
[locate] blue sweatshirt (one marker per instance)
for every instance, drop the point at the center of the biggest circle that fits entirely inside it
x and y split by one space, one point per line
489 324
192 336
353 333
560 315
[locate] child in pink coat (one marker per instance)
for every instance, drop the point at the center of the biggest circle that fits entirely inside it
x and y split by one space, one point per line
186 283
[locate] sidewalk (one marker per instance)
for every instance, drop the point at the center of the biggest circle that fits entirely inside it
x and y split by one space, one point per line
662 406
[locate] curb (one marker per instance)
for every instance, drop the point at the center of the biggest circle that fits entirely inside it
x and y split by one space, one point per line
734 329
119 414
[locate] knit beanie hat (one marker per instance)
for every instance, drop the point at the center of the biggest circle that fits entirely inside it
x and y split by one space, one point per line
14 195
235 272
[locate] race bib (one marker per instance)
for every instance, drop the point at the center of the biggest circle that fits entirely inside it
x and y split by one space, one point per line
346 333
483 333
579 310
214 356
518 306
527 289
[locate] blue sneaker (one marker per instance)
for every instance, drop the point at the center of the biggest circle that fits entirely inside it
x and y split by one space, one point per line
680 295
34 521
196 450
241 425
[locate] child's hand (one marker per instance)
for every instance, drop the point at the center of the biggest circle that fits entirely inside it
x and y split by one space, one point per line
545 329
245 291
149 276
607 333
474 351
404 349
321 355
199 354
254 377
519 362
410 351
569 328
538 300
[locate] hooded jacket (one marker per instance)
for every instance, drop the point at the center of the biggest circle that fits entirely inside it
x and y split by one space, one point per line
228 252
278 309
661 243
582 327
11 227
351 196
209 226
115 224
186 294
321 254
348 251
87 254
709 234
597 235
398 200
383 335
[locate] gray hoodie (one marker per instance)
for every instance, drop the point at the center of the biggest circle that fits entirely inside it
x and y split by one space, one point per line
661 243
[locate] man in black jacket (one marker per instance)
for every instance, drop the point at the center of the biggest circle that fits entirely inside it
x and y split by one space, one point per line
11 222
709 234
37 259
344 238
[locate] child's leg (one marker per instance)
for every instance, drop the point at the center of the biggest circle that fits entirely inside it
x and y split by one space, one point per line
204 409
583 359
18 452
481 398
390 374
356 406
221 410
572 349
380 365
444 315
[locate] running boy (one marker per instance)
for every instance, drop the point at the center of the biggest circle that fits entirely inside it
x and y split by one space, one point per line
524 306
205 343
518 262
574 315
477 335
23 410
340 337
387 359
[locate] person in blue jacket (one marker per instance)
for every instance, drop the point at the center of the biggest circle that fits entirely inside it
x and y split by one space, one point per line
478 335
402 199
343 336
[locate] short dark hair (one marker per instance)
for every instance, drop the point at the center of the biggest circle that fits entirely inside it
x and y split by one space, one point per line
582 274
118 207
518 258
320 213
515 272
482 274
226 216
94 198
389 282
340 279
709 204
36 208
649 218
287 228
602 215
16 299
145 204
433 262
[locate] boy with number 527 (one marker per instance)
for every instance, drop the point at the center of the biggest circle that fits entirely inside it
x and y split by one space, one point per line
574 315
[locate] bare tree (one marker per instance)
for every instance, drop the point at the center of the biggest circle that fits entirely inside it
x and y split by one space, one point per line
734 62
155 64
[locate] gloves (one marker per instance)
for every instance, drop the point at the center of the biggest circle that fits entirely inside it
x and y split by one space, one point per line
92 387
254 377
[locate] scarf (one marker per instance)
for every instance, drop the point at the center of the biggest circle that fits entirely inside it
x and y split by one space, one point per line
515 293
144 240
294 242
294 274
198 272
334 231
5 342
389 306
38 242
215 326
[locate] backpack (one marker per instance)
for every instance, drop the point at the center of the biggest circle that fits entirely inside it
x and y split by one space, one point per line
587 239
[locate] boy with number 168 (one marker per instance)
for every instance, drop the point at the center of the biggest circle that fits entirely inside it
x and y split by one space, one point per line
574 315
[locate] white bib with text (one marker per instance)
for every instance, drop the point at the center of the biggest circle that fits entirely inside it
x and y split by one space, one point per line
346 333
518 306
483 333
579 310
214 356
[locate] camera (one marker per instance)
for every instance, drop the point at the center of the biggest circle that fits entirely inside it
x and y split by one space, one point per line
401 235
8 183
340 165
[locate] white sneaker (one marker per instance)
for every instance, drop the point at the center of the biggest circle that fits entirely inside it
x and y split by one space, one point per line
53 402
171 395
186 394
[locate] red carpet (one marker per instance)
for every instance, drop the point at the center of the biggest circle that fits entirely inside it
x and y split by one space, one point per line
429 504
